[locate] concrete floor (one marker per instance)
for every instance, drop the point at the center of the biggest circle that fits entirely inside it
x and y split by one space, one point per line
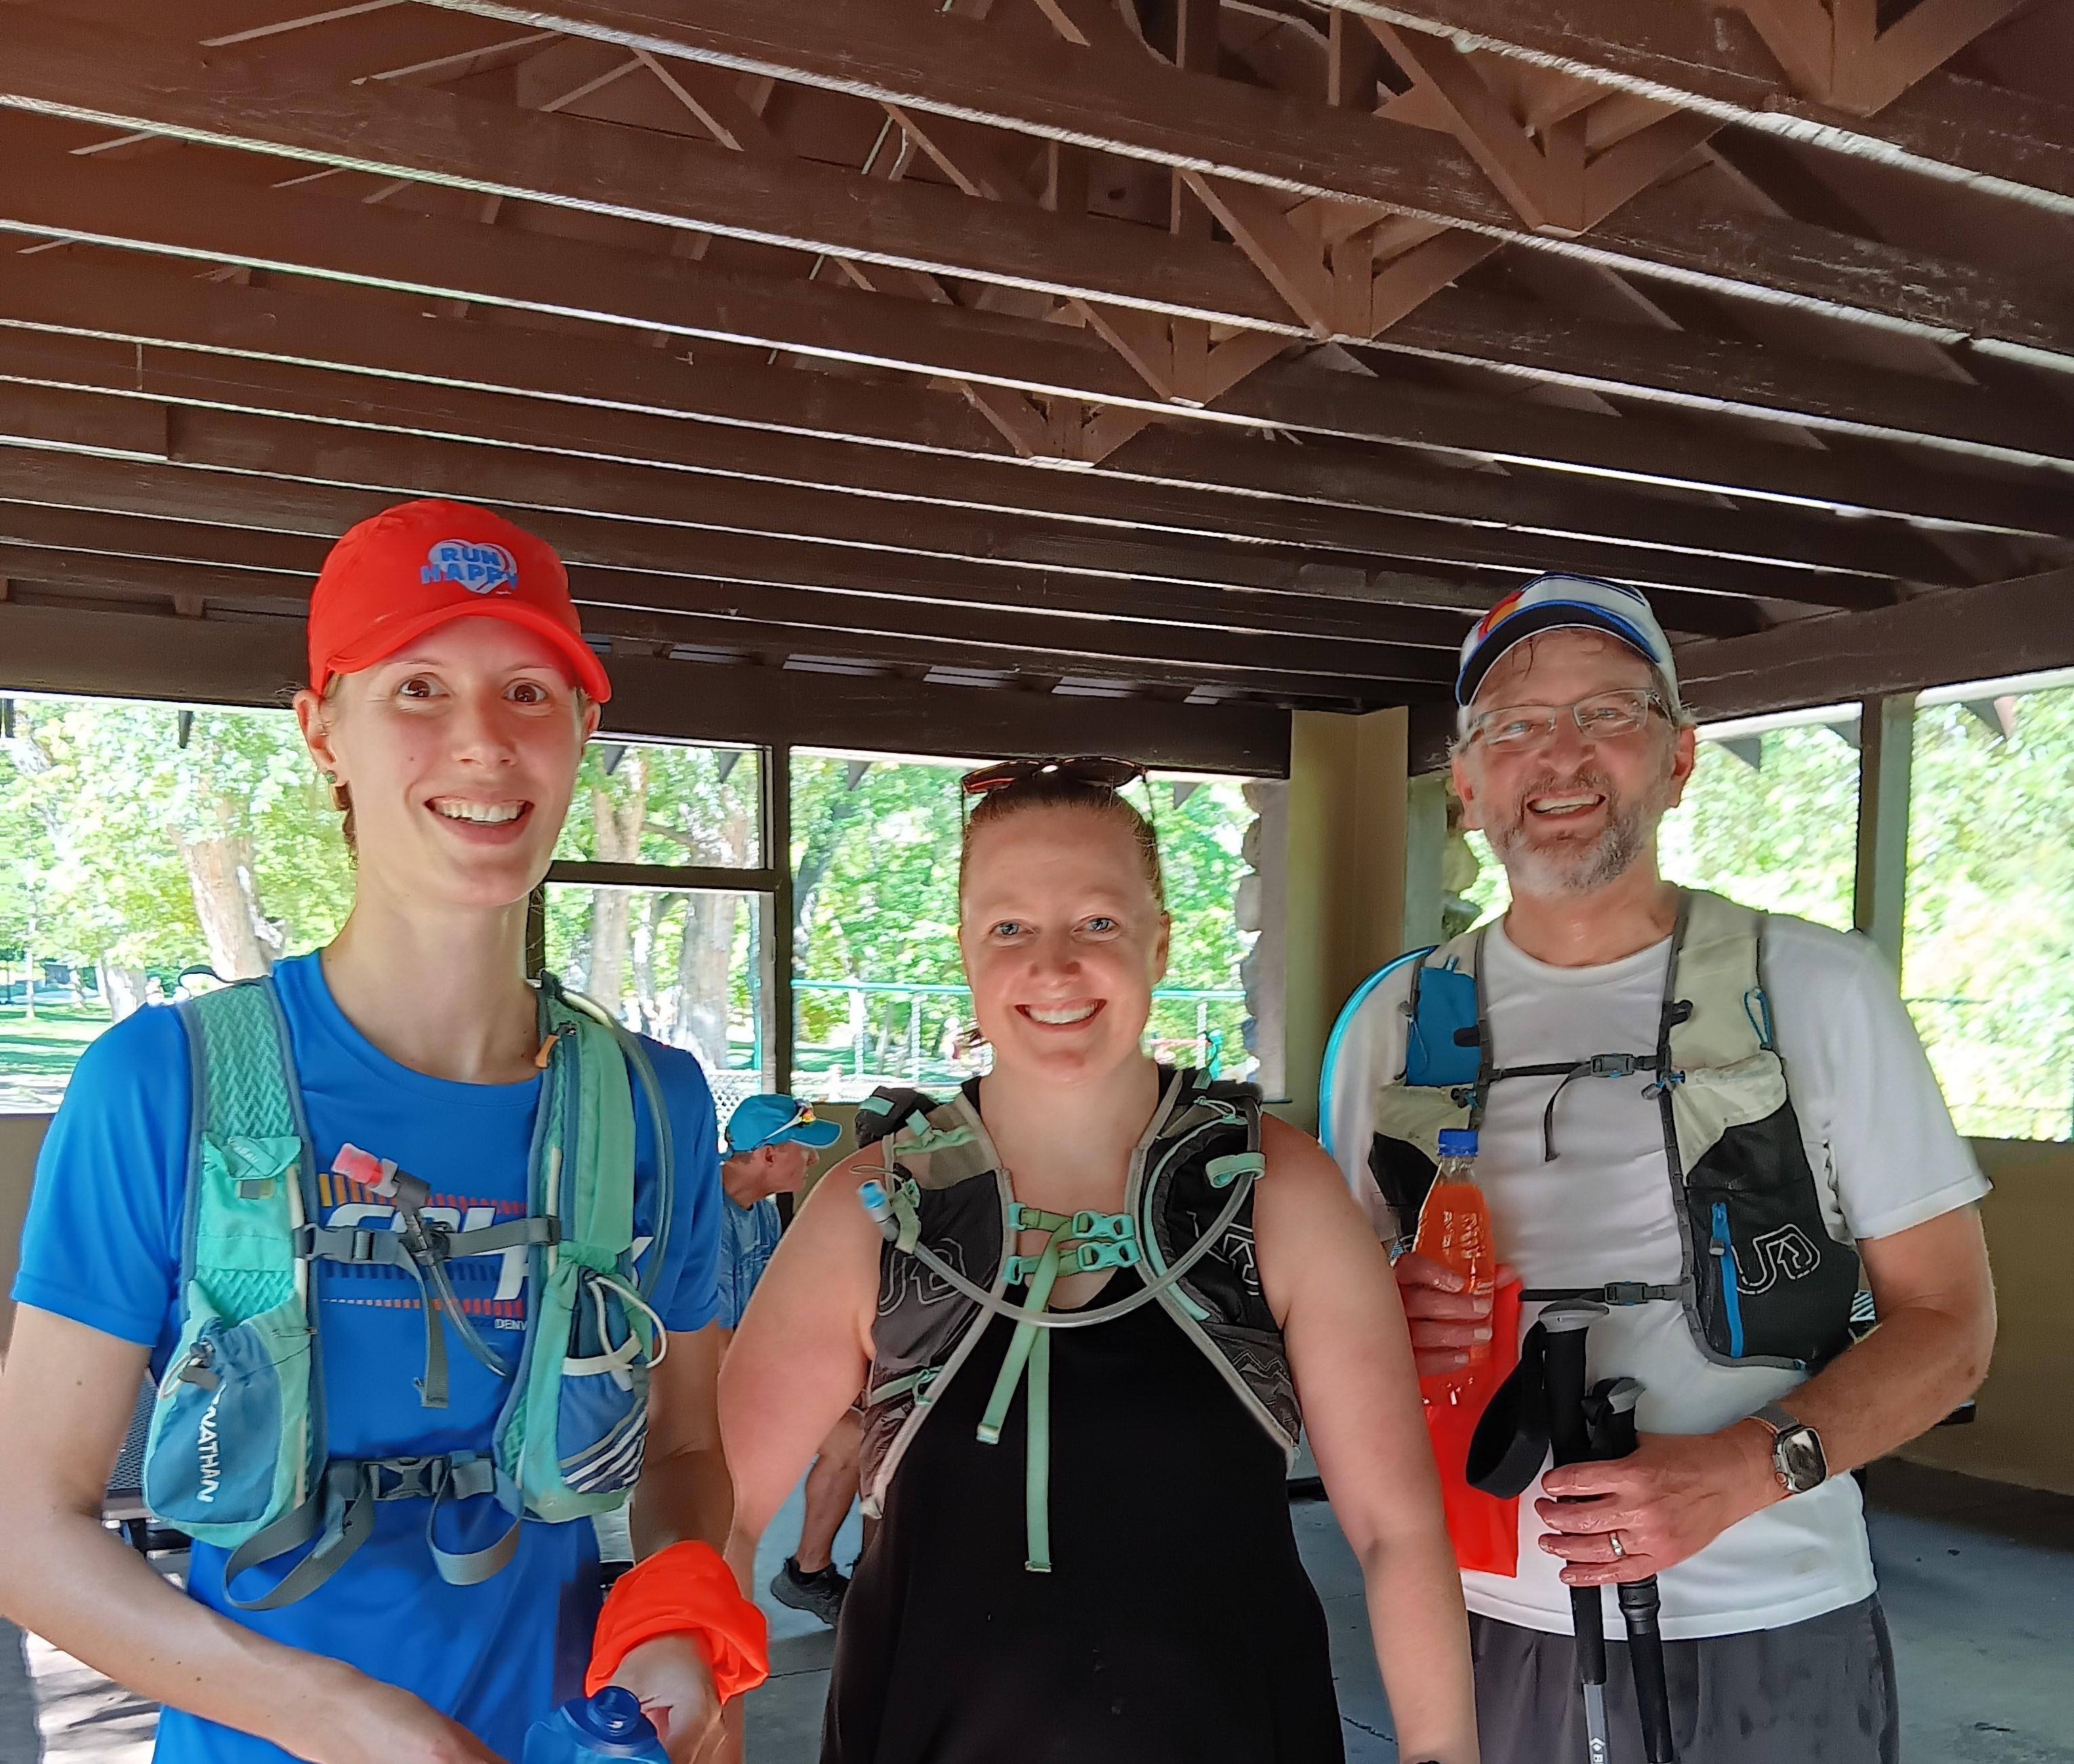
1978 1581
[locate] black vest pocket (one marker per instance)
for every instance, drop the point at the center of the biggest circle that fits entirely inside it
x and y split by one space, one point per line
1772 1284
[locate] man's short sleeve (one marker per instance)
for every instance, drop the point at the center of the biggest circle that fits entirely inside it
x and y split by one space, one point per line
685 1294
101 1243
1899 1160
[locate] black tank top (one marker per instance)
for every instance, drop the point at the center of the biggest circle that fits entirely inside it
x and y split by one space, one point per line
1177 1623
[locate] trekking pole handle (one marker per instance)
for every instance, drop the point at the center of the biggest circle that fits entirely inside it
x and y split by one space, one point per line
1563 1374
1640 1605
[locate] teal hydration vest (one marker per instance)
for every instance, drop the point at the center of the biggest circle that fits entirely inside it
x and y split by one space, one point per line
237 1456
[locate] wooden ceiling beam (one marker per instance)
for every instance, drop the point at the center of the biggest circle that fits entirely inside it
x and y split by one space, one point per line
1709 373
1646 448
213 498
1942 126
805 426
38 417
273 103
1141 108
279 103
198 218
258 661
655 608
1962 634
367 453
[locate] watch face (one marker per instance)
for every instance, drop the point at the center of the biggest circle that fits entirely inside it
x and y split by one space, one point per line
1798 1453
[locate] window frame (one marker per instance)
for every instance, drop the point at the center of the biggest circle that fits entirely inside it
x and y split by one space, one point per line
770 882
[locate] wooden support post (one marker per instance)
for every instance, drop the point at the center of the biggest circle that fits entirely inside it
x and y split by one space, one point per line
1886 750
1345 908
1425 855
777 951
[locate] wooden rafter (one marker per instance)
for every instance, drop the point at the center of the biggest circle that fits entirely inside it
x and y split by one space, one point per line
792 426
63 649
1885 97
939 64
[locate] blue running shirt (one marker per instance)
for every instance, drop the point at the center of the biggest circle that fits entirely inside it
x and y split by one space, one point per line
748 1236
101 1247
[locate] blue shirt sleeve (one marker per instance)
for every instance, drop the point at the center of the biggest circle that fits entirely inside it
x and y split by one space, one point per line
687 1288
101 1243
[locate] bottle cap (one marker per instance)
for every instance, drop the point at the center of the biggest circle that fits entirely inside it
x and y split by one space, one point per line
1458 1142
613 1714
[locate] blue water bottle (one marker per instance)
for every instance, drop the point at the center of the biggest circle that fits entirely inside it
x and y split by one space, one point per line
592 1729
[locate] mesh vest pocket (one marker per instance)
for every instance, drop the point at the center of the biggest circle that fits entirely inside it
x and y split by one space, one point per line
229 1430
602 1419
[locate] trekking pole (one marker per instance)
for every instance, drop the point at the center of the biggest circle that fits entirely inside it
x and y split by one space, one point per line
1571 1439
1638 1599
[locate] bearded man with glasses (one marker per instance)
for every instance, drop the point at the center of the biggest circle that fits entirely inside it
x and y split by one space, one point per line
1705 1122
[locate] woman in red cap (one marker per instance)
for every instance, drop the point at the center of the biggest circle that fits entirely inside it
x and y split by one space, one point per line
402 1147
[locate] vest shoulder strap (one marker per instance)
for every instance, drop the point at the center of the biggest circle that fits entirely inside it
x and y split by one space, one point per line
247 1152
1718 970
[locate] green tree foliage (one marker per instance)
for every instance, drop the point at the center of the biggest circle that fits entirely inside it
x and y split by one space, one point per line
875 853
139 850
1988 962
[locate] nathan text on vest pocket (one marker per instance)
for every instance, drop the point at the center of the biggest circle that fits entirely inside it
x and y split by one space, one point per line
227 1443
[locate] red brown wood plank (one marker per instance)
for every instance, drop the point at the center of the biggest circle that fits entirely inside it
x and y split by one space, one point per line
766 421
278 103
1332 610
1945 125
781 621
1144 108
1942 639
257 661
220 222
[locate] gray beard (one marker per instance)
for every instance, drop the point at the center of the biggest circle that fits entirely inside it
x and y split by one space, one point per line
1566 869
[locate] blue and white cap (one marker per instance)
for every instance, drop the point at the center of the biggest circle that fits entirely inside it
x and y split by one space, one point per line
773 1120
1554 603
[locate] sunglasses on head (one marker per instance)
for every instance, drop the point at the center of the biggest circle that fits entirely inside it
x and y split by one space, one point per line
1111 774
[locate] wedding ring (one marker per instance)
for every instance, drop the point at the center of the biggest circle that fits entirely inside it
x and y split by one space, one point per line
1620 1552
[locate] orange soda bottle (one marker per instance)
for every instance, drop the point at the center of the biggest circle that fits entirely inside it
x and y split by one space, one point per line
1455 1226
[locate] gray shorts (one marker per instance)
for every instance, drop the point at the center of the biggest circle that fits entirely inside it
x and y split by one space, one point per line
1818 1692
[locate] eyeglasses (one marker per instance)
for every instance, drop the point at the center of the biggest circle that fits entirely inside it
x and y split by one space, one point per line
1097 774
1603 717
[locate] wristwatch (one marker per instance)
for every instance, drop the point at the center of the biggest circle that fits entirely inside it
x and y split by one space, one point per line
1797 1458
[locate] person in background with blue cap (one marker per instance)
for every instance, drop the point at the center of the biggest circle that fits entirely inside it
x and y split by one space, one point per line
1703 1121
771 1141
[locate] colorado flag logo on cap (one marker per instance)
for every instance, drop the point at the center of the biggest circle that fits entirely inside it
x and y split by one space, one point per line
476 565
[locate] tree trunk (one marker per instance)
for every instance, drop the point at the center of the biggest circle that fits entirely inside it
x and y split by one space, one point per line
648 1008
242 943
703 967
618 842
121 988
814 862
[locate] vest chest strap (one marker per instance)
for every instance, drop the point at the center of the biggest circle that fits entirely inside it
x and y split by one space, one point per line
1614 1293
422 1249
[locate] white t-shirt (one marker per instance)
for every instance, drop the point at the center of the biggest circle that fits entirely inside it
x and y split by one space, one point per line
1886 1157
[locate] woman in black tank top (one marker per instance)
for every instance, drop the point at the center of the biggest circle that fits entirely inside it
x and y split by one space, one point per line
1085 1553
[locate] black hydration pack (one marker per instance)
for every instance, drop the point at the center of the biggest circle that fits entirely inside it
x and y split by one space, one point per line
952 1222
1764 1282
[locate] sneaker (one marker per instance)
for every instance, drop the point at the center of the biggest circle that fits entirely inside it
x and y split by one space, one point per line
821 1593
